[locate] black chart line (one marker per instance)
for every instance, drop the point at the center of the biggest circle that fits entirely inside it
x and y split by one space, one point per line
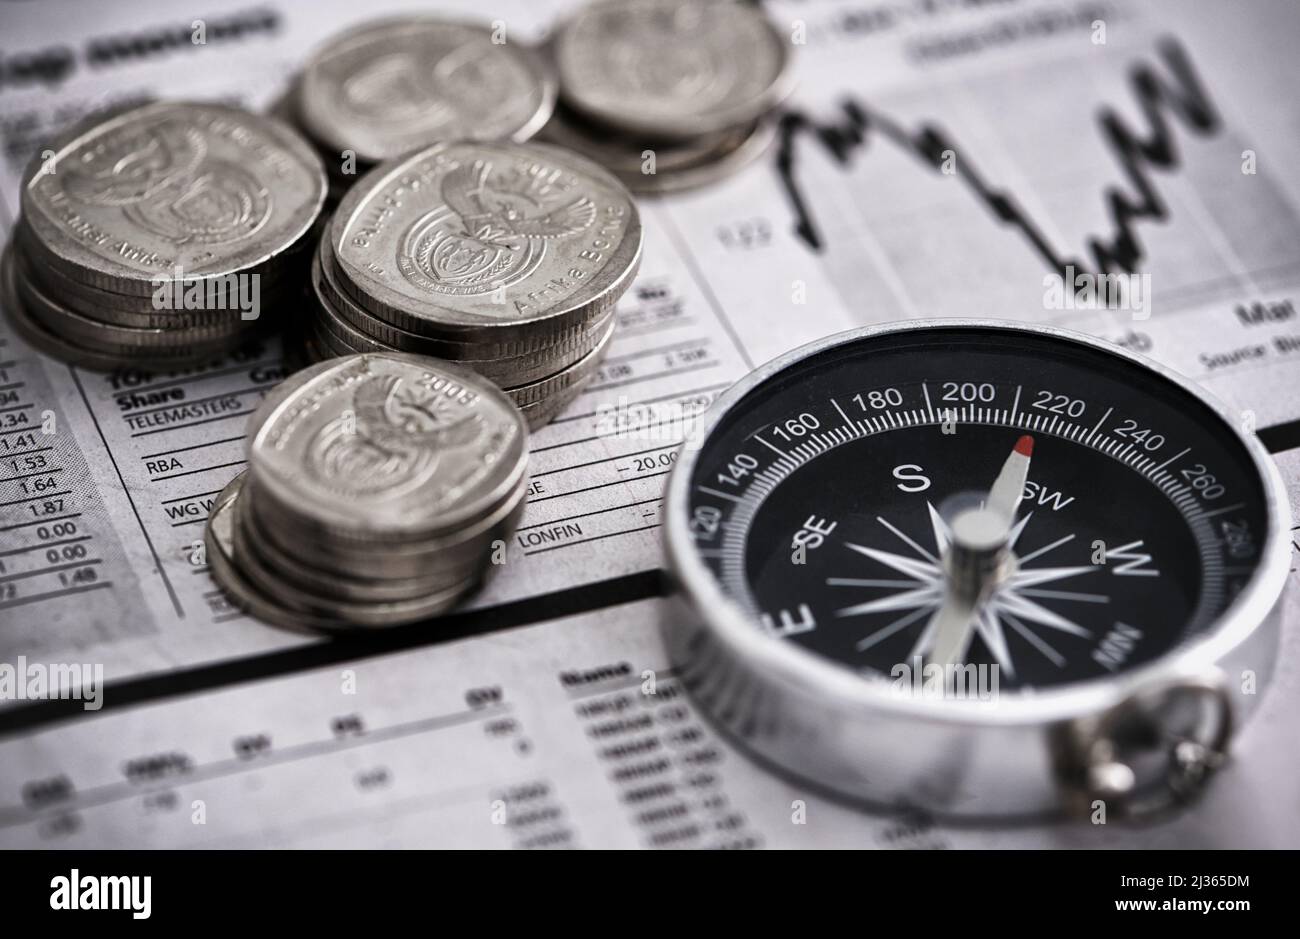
1121 250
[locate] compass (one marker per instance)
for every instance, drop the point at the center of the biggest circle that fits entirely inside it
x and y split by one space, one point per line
975 567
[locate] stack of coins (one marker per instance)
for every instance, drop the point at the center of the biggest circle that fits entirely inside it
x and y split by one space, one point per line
505 258
380 490
160 236
668 94
388 87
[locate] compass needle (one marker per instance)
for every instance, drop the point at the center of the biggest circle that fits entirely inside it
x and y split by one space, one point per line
975 561
952 628
1005 493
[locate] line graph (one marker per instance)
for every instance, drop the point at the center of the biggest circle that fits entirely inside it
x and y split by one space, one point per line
1179 95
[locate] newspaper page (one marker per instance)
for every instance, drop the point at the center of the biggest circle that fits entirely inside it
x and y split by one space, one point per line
520 722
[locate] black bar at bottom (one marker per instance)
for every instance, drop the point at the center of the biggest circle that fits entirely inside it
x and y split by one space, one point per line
992 890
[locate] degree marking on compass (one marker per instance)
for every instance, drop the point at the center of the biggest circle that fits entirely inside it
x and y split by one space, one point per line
1015 405
1227 508
773 447
928 406
1179 495
721 495
1184 452
1099 423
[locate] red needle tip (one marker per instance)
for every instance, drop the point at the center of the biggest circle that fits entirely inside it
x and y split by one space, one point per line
1025 445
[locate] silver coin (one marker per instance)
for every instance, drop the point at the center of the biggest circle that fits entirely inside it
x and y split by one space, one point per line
659 169
387 446
122 310
170 311
514 353
232 571
327 344
375 555
525 396
388 87
733 154
382 568
533 392
505 362
129 340
338 331
384 562
39 337
671 68
173 189
541 413
219 542
301 586
480 241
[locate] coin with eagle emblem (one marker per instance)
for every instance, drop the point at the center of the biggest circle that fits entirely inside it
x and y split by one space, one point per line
386 446
507 259
474 241
161 235
381 488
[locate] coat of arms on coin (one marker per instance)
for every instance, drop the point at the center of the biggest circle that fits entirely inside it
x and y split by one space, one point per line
492 229
393 436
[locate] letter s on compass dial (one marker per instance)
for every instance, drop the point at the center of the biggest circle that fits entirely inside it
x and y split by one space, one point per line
1080 525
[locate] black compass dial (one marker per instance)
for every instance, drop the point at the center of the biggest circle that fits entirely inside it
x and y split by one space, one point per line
829 503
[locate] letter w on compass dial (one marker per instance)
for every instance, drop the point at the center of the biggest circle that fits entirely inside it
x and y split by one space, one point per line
493 229
391 442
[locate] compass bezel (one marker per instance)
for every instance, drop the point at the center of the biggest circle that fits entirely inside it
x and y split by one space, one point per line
812 676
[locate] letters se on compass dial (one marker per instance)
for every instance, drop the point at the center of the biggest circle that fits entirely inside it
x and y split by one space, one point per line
959 493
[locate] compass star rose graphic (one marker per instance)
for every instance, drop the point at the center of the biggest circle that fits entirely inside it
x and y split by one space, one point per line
932 591
1013 605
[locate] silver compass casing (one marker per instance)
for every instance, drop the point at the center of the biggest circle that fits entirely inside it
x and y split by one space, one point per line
1138 742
